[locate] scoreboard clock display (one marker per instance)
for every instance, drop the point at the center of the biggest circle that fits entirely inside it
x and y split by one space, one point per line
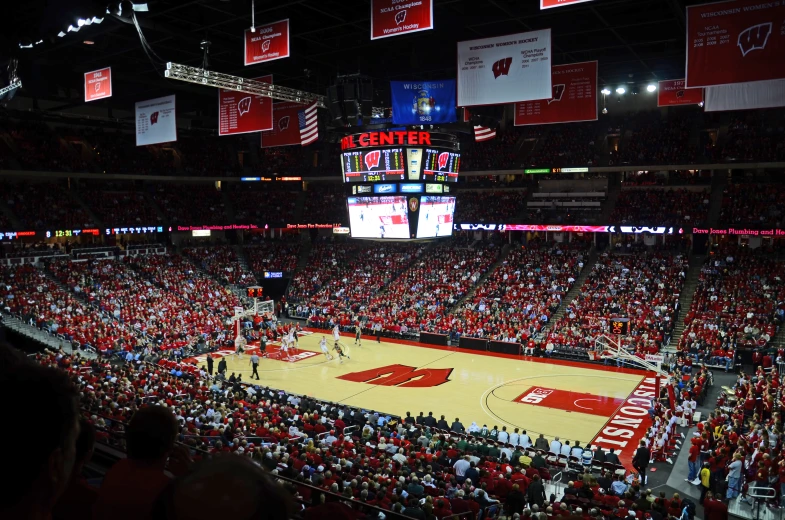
254 292
620 326
385 164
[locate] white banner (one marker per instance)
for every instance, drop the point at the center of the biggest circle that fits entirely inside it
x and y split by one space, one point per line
740 96
505 69
155 121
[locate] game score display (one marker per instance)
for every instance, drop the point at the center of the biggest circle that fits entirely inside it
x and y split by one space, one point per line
373 165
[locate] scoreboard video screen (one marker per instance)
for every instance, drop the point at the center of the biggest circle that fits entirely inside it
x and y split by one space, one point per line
435 218
441 166
378 217
381 165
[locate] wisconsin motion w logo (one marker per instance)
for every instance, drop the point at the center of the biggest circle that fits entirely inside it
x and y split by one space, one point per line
501 67
443 157
283 123
372 159
153 118
400 16
754 38
558 92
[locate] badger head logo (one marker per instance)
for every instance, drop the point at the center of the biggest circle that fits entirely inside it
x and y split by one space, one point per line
501 67
754 38
372 159
283 123
265 45
558 92
244 106
443 159
400 16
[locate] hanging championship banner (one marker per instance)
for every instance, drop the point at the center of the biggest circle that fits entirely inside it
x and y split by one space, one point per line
241 113
98 84
396 17
286 128
735 42
155 121
505 69
428 102
673 92
269 42
574 97
547 4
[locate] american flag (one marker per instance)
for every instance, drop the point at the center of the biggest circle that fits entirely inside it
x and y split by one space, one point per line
483 133
309 127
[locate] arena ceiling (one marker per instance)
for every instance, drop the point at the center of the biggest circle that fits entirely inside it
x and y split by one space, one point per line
634 42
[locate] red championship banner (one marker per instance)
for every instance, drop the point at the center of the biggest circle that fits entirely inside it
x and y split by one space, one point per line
286 127
673 92
269 42
574 97
547 4
241 113
98 84
737 41
396 17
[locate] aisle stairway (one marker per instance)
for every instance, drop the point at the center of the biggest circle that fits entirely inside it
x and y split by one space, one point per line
574 291
43 337
499 261
718 183
78 199
685 299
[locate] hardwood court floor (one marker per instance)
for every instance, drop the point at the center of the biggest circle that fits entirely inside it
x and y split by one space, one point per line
557 398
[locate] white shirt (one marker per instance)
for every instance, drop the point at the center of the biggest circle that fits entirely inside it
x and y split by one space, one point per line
460 467
576 451
524 441
503 437
514 437
565 450
555 446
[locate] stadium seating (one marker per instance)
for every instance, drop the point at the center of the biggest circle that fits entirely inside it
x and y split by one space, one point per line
273 255
753 205
192 205
489 205
120 205
661 207
221 263
45 205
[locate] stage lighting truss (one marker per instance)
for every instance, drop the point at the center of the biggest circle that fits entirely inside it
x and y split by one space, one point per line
210 78
10 88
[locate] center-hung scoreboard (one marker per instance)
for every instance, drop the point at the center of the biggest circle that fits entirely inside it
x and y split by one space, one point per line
400 185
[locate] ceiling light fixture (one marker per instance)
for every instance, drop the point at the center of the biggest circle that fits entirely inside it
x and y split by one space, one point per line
621 90
88 42
651 87
606 91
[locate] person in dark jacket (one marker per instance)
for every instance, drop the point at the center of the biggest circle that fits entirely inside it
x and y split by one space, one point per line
641 461
536 492
612 457
515 501
457 426
210 364
222 365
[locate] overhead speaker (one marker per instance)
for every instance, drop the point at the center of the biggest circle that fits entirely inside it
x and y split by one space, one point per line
335 102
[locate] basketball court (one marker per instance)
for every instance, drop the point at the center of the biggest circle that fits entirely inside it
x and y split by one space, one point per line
574 401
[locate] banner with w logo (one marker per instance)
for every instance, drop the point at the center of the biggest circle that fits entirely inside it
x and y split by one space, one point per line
573 97
735 41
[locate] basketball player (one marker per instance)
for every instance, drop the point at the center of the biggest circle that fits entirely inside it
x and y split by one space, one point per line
336 333
263 345
285 345
338 350
357 332
325 351
239 344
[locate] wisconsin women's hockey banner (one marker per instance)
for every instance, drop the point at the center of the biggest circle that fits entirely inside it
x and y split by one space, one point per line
505 69
155 121
241 113
746 96
428 102
574 97
735 42
673 92
267 43
286 126
396 17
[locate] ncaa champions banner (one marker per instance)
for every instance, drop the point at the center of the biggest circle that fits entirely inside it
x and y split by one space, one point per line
547 4
155 121
505 69
423 103
269 42
574 97
98 84
286 127
673 92
396 17
241 113
735 42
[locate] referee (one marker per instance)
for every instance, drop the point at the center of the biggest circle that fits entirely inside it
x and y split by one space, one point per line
255 365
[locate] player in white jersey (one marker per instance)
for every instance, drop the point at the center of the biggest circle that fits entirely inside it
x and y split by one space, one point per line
336 333
285 345
325 350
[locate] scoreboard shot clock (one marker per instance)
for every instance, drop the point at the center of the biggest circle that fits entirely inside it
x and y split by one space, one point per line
620 326
254 292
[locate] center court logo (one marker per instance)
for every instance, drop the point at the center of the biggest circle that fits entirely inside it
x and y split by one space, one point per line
244 106
558 92
401 376
501 67
372 159
754 38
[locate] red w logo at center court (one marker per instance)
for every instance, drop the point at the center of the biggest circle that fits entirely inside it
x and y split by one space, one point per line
153 118
372 159
443 159
501 67
401 375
